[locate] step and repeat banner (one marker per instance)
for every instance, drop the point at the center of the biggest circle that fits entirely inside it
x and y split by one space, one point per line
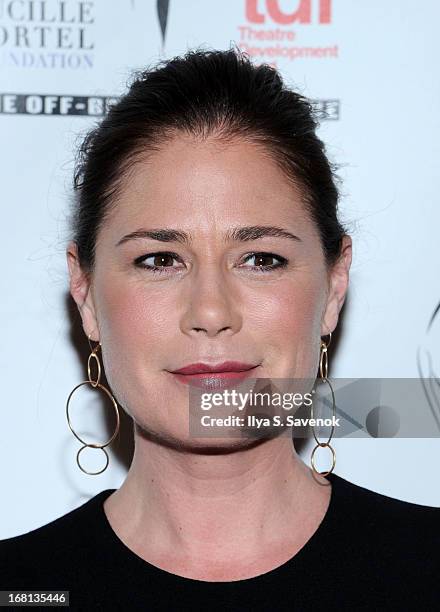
371 69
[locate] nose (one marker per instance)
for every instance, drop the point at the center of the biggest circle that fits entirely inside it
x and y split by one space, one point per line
212 305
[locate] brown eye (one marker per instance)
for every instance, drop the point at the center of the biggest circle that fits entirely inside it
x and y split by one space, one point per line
156 262
162 260
265 261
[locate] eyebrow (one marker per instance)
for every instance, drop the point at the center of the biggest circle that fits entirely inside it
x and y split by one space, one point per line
237 234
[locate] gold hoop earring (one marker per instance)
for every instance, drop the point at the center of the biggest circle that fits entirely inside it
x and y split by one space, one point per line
323 371
94 383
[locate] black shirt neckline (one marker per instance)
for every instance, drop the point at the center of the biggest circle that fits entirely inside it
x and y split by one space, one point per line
310 549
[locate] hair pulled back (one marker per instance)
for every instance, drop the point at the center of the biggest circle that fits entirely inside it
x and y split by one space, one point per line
207 94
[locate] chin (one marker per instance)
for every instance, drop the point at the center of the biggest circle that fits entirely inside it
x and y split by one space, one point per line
218 446
198 445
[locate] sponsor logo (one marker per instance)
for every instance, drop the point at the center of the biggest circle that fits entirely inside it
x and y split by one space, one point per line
258 12
268 35
162 7
50 104
47 34
428 364
326 110
97 106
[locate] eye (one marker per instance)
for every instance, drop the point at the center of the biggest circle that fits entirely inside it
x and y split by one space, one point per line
158 262
262 259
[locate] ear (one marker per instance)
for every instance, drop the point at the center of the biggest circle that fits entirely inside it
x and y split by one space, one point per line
81 291
338 285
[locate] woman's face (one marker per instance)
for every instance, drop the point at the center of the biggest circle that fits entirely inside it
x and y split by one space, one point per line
209 299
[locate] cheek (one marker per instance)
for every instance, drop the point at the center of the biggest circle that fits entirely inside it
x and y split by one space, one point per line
288 322
133 320
138 334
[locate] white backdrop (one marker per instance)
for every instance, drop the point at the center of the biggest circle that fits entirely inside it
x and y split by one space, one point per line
377 64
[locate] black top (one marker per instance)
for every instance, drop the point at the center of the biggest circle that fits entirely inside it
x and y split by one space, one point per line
369 552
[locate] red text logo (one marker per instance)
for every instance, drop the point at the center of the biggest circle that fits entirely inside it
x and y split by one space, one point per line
256 11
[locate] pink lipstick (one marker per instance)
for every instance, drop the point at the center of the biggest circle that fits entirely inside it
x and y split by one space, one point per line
213 377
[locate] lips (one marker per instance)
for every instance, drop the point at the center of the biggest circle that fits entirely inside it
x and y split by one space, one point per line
226 366
212 377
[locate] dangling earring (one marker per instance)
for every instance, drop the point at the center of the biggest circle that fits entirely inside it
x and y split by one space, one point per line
323 371
94 383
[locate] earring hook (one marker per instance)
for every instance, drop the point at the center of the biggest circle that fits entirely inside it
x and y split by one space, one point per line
93 350
327 344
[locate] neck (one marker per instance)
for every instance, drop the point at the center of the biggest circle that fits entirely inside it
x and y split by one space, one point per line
217 507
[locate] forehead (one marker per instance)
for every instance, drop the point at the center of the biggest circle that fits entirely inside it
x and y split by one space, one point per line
189 181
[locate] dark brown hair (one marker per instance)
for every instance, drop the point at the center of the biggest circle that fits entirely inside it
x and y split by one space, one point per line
205 93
